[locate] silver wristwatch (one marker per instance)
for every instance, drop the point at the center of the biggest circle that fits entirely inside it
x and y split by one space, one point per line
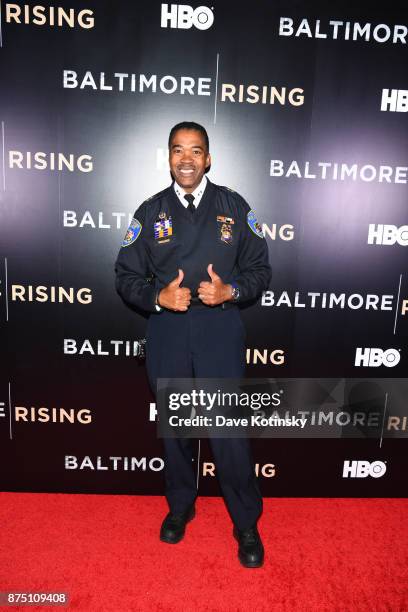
235 293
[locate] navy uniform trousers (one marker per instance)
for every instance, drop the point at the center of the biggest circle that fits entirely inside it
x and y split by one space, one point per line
204 342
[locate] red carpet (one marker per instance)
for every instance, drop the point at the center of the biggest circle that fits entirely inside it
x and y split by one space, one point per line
321 554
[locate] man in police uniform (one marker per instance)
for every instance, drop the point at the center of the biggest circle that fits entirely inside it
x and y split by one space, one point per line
205 251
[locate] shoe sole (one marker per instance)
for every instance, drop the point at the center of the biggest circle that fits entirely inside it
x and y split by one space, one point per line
252 565
168 541
173 541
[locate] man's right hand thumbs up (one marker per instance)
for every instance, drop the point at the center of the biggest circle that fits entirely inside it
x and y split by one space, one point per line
176 282
174 297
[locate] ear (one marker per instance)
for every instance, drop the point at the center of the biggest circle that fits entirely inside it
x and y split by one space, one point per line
208 161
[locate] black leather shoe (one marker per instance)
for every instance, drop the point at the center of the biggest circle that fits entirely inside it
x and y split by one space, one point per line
250 551
174 526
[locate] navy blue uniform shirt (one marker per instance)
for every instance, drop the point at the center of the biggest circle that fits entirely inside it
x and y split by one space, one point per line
164 236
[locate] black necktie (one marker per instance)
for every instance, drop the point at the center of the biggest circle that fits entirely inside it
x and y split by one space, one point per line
190 199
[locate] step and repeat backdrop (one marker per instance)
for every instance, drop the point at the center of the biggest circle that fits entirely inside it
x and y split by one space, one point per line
306 109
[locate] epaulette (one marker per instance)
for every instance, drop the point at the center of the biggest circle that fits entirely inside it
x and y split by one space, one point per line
228 188
235 194
155 196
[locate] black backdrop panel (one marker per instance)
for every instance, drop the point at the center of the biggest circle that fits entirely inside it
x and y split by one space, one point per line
304 103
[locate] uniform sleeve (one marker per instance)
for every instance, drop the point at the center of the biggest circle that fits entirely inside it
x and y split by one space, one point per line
132 266
253 260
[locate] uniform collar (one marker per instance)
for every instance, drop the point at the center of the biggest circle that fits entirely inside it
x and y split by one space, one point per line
197 193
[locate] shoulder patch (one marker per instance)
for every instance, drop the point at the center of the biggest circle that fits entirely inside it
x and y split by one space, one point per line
254 225
132 233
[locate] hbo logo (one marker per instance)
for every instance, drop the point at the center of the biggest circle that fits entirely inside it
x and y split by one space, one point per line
376 357
394 100
362 469
387 234
184 17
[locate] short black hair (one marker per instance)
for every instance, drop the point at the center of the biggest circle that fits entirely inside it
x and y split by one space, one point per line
190 125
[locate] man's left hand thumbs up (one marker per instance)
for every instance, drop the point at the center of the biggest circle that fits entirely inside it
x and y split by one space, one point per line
214 292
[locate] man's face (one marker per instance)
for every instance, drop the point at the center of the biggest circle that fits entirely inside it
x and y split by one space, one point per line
188 158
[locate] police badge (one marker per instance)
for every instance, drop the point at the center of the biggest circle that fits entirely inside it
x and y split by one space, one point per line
225 228
226 233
